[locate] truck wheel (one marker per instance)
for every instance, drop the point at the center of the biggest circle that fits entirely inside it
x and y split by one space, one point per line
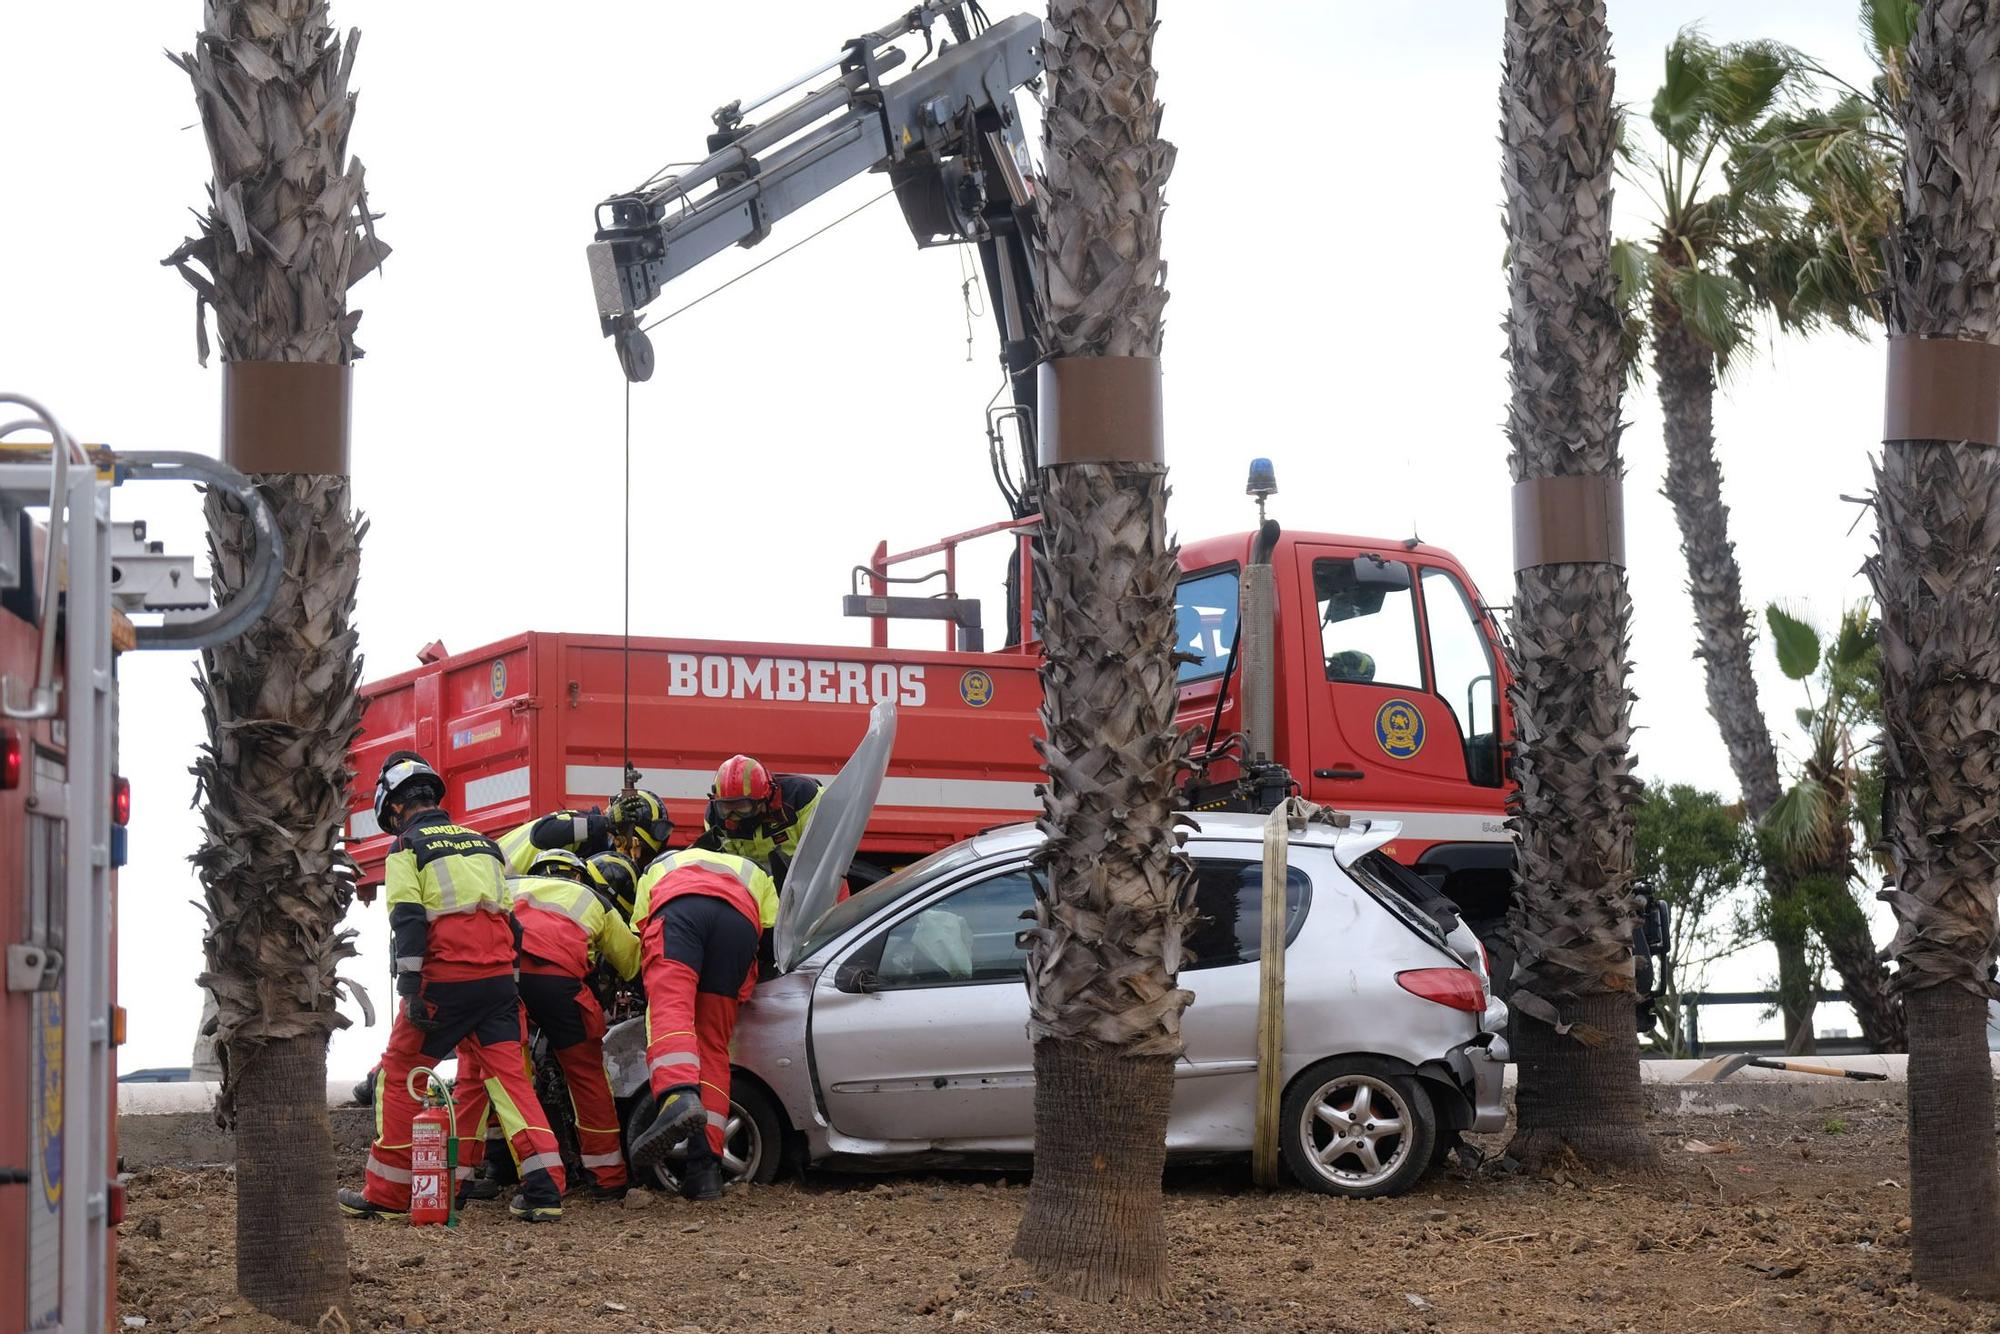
1357 1126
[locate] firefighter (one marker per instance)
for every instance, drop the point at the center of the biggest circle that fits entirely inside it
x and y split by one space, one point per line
566 928
755 814
700 915
636 826
454 939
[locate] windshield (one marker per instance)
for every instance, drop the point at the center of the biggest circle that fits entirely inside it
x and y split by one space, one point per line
884 893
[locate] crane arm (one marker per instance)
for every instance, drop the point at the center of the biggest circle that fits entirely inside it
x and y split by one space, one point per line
946 133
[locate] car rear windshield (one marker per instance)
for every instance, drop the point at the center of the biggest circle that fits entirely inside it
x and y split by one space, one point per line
1407 895
886 892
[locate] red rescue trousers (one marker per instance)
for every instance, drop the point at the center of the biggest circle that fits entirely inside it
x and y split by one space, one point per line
481 1018
700 961
569 1017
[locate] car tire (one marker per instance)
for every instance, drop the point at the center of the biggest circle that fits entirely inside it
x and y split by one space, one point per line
1375 1107
757 1140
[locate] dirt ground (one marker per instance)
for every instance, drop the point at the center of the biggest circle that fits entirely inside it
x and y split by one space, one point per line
1794 1223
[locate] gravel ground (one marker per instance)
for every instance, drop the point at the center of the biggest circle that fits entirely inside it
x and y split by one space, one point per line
1792 1222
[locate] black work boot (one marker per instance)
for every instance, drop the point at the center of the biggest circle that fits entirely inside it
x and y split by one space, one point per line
477 1188
356 1205
679 1115
702 1180
539 1200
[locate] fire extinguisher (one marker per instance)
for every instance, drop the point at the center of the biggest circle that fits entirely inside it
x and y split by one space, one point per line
433 1152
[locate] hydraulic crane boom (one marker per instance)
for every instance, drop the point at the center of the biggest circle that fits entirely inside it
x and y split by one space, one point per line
946 133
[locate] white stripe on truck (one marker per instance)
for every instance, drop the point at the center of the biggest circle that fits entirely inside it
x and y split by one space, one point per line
970 794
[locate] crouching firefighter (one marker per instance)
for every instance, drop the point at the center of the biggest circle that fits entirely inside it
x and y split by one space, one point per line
759 815
567 926
700 915
453 937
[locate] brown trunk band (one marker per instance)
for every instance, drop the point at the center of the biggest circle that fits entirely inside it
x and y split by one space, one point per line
1574 520
285 416
1101 410
1942 389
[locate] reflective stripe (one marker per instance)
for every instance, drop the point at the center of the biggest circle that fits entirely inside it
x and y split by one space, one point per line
577 910
718 1120
399 1175
447 888
461 1174
409 963
603 1159
673 1058
540 1162
741 867
580 826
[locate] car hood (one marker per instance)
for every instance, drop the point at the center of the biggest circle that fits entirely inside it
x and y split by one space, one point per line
832 837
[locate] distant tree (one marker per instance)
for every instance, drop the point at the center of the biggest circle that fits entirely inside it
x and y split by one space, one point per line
1697 854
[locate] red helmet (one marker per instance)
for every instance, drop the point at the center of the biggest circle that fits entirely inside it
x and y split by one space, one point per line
739 777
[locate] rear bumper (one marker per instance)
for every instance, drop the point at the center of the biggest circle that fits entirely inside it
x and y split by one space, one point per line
1482 1067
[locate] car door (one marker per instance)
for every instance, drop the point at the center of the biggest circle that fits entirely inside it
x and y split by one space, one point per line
1370 707
920 1031
1215 1082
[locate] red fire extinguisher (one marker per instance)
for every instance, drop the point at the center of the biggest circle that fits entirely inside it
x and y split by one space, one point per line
433 1152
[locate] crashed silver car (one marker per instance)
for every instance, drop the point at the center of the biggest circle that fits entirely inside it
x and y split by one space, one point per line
898 1035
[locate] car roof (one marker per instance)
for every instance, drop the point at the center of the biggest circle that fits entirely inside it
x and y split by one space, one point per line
1215 827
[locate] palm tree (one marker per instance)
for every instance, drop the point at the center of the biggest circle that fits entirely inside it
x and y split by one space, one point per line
1113 903
1810 832
1573 1030
285 234
1936 577
1769 241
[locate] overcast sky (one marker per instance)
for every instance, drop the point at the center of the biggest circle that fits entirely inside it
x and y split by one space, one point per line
1334 245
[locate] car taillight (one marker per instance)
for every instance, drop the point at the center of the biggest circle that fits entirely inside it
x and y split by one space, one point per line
10 759
1456 987
121 801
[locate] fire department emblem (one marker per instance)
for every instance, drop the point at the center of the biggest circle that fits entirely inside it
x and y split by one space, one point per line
499 677
976 688
1399 729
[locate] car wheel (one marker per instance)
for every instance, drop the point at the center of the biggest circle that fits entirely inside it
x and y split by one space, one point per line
1359 1127
752 1142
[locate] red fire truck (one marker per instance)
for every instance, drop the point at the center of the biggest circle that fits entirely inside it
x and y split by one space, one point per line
1386 680
68 585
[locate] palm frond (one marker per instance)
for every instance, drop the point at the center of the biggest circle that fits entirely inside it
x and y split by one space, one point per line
1681 101
1800 826
1714 306
1795 642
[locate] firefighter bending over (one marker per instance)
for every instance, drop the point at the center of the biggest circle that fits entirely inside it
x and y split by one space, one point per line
453 938
700 915
637 826
567 926
755 814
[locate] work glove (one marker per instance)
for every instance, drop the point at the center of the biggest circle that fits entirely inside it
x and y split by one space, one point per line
629 811
422 1011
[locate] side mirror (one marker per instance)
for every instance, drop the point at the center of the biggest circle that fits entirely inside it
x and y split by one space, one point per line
856 977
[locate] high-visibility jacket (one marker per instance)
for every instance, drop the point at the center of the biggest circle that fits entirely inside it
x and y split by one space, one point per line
718 874
560 829
449 906
798 798
566 924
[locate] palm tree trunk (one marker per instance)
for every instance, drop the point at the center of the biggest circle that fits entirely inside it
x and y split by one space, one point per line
1574 1023
1113 901
1936 574
285 236
1685 368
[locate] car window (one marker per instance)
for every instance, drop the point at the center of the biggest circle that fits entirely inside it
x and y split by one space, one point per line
1407 895
1205 623
884 893
1462 666
1368 621
968 936
1229 895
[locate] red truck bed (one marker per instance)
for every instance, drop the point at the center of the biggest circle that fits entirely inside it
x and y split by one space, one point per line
535 723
